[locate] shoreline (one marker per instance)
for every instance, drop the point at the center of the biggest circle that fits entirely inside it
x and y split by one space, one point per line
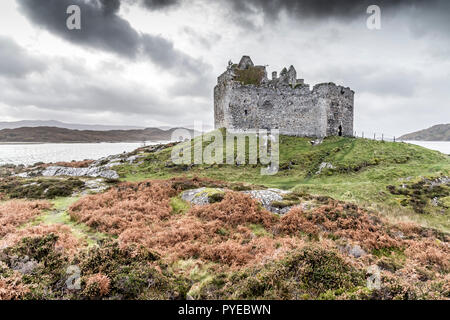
75 142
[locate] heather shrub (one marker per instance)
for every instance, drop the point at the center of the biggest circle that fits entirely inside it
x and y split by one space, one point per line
11 285
132 274
15 213
67 244
127 206
254 253
75 164
341 221
12 288
41 188
181 184
235 209
431 254
97 285
305 274
46 279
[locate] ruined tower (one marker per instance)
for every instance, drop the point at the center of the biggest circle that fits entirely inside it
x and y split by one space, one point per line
244 98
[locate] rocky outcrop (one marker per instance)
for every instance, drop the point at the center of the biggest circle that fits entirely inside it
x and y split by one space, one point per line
200 196
324 165
80 172
267 197
98 169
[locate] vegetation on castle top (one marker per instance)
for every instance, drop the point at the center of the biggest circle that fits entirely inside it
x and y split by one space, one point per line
251 75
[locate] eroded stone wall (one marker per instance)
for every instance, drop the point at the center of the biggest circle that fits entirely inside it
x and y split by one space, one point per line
289 106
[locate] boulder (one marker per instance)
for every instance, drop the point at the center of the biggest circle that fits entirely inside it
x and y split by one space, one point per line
80 172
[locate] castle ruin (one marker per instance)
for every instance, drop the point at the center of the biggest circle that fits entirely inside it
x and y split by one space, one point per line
244 99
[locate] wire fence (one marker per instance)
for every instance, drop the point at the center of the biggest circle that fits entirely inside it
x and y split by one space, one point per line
377 136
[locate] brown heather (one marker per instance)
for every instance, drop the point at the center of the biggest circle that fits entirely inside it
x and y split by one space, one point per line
140 214
235 209
97 285
237 233
125 207
15 213
12 288
340 220
67 243
72 164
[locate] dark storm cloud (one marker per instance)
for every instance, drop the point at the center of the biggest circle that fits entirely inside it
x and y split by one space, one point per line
15 61
102 28
159 4
110 6
430 15
323 8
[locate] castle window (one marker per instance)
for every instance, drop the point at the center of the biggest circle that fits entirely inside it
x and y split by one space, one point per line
245 112
340 131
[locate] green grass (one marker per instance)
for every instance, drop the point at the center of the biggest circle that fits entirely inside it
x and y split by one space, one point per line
362 169
179 206
59 215
259 230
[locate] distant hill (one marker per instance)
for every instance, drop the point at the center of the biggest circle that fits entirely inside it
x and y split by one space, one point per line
57 135
440 132
59 124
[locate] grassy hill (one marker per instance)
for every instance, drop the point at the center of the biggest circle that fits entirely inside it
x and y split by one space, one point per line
362 171
440 132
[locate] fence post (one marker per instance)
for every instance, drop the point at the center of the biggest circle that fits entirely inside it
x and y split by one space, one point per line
362 135
374 136
382 137
394 138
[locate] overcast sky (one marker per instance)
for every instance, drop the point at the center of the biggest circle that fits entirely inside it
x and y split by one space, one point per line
155 62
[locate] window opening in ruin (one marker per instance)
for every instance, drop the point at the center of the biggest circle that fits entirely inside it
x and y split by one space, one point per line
340 131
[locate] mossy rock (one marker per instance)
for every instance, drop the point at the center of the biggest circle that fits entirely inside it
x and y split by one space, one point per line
40 188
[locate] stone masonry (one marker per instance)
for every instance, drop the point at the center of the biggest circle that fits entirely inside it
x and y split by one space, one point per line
244 99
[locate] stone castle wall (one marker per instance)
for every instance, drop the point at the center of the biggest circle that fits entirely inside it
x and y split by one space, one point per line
283 103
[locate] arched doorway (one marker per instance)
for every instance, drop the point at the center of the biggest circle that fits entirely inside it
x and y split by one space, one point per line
340 131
